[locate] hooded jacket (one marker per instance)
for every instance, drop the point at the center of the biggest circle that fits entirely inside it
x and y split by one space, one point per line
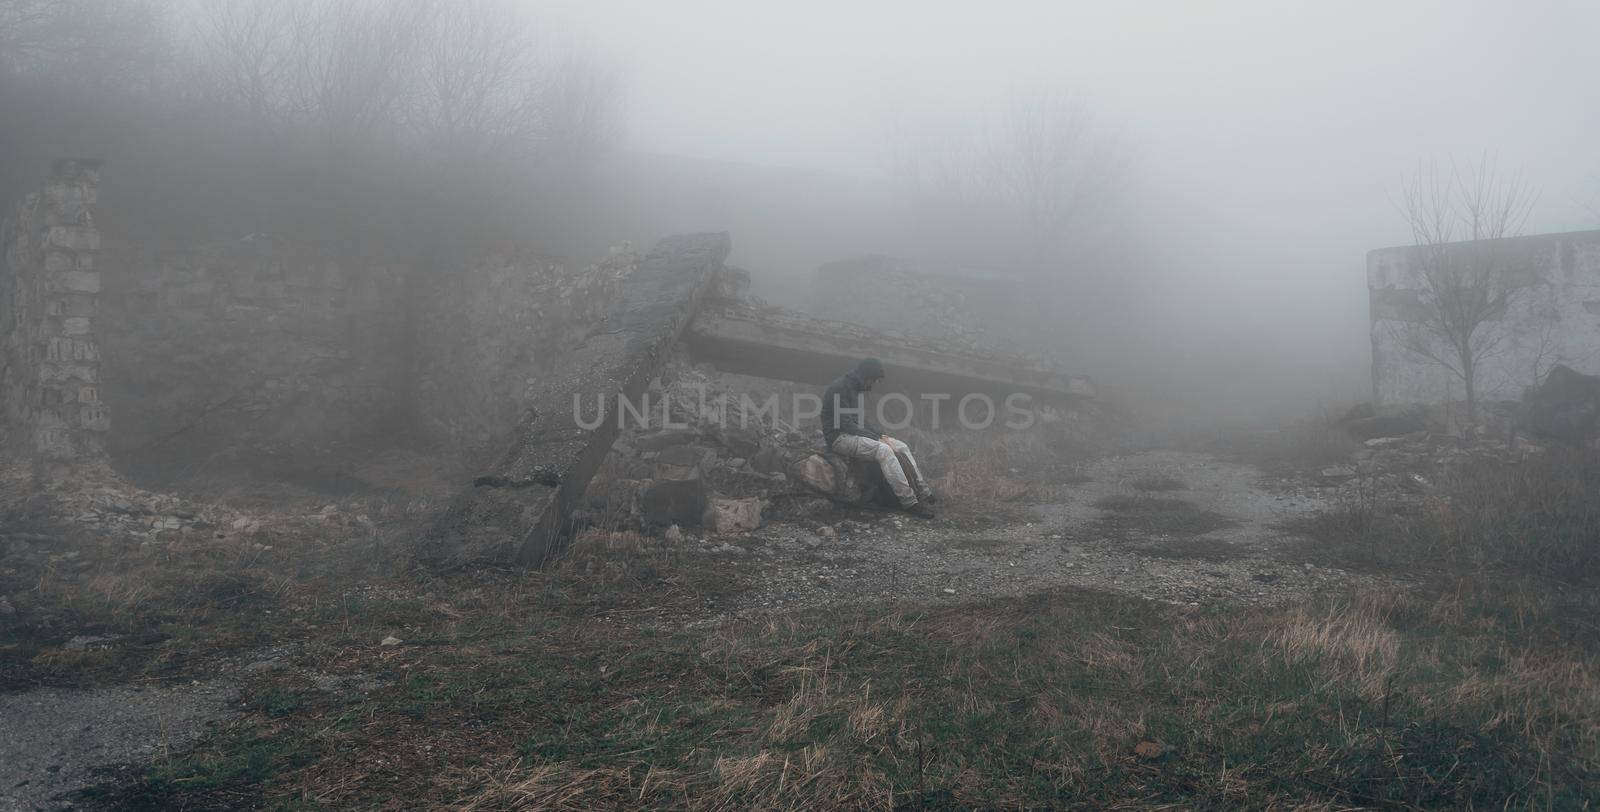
842 410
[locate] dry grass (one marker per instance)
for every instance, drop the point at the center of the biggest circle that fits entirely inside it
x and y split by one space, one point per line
982 480
1483 696
1539 517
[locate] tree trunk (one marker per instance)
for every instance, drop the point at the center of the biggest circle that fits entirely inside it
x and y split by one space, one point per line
1469 381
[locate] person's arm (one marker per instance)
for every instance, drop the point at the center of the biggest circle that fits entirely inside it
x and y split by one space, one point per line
869 428
836 399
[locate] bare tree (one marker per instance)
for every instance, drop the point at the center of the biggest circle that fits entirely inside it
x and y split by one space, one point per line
91 42
1042 163
1048 159
1457 218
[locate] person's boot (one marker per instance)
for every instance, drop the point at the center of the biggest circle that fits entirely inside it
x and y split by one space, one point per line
920 510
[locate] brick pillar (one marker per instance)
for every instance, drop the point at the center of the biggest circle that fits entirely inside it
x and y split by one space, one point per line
49 290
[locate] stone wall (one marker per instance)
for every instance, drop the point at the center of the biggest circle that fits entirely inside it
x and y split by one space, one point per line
488 333
1553 317
249 351
49 289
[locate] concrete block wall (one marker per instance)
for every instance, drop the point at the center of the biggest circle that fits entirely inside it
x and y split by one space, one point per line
50 369
1553 317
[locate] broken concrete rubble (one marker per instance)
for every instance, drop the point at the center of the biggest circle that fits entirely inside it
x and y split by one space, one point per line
708 448
530 491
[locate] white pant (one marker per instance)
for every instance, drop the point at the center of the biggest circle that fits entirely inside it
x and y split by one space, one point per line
883 452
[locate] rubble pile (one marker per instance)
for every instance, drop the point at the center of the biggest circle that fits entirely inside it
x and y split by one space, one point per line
1411 463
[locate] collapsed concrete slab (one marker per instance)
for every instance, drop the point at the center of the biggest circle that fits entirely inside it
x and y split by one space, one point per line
745 337
521 503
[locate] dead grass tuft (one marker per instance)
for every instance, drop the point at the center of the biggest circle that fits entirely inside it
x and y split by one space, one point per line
982 480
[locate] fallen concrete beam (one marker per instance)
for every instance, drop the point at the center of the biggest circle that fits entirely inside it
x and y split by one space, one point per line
523 501
747 338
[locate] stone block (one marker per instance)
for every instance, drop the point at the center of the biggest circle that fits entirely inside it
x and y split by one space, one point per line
79 281
724 515
73 238
677 498
815 473
57 261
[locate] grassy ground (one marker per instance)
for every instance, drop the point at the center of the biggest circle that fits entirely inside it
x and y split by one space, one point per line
1467 697
1479 688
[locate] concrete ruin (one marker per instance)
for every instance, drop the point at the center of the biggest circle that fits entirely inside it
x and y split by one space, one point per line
682 290
525 498
282 361
49 359
1553 317
755 339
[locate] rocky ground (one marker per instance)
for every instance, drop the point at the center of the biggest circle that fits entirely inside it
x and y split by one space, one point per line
1176 527
1188 528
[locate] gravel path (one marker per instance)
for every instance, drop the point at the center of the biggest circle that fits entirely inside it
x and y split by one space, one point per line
53 739
888 558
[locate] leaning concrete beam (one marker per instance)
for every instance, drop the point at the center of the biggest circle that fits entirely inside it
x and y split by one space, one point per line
742 337
524 500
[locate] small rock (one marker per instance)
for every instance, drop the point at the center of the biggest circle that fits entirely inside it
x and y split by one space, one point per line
948 591
724 515
391 641
826 533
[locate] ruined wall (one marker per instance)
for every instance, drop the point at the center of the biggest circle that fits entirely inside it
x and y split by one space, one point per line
49 287
249 351
487 334
1554 317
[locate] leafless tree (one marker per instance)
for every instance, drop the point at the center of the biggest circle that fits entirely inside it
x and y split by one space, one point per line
1043 163
1457 216
1049 160
91 42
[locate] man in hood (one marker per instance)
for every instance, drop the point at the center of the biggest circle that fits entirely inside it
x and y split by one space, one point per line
848 433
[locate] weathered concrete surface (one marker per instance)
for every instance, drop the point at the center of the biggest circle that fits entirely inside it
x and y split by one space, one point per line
521 503
1551 318
743 337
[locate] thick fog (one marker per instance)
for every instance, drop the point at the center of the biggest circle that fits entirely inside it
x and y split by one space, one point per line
1266 140
1192 188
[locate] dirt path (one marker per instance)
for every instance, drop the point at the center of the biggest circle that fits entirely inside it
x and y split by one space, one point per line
1171 526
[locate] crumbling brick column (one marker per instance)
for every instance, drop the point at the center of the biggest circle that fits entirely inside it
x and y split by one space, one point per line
49 287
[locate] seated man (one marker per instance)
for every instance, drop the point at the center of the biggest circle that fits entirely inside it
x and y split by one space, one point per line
849 434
